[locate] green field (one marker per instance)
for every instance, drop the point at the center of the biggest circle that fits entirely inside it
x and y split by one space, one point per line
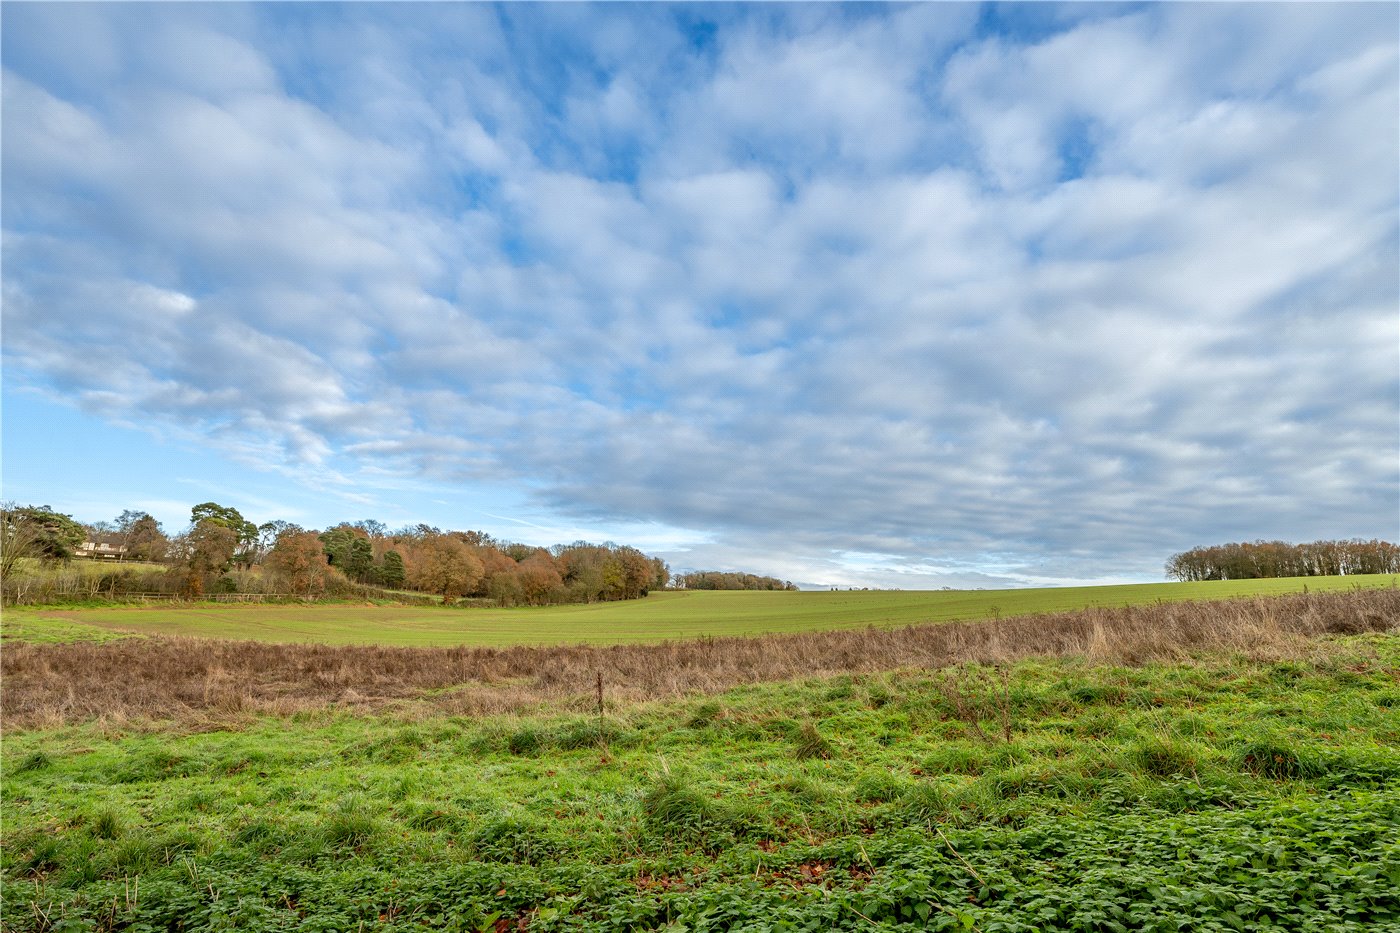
1217 795
660 616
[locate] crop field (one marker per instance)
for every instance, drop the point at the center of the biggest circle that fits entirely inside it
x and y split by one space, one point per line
1227 765
659 617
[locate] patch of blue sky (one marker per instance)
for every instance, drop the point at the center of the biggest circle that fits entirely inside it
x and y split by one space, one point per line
1030 23
1076 149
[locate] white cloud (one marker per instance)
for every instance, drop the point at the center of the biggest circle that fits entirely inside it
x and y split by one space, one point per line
838 284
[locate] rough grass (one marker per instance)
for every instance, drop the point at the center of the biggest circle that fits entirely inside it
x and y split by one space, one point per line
659 617
220 683
1214 793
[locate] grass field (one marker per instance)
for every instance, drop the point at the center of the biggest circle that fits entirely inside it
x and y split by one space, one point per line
660 616
1214 766
1215 794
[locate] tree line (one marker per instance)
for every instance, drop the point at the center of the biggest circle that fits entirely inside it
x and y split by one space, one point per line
221 551
724 580
1248 560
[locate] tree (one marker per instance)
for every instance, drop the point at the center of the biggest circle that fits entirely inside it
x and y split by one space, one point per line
540 582
660 574
338 541
299 561
392 572
146 540
39 531
373 527
637 571
209 549
444 565
269 532
18 537
360 560
245 532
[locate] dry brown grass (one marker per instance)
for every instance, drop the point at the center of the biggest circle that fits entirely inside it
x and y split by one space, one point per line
211 683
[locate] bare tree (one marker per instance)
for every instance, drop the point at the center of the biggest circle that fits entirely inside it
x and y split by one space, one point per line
19 536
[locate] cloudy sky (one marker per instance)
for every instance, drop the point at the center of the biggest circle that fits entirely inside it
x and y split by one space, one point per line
880 295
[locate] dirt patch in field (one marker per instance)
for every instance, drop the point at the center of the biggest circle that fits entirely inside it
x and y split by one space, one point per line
156 679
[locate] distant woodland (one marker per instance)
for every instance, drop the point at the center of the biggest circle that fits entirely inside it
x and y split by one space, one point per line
223 553
720 580
1257 559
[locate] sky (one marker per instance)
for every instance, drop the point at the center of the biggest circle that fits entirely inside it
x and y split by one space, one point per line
876 295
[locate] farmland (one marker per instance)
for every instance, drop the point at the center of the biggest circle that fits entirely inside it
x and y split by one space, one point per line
660 616
1211 765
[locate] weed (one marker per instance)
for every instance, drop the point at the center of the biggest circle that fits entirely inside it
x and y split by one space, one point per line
511 838
1169 818
677 810
44 855
423 816
34 761
84 861
199 801
135 854
150 765
255 833
974 697
586 733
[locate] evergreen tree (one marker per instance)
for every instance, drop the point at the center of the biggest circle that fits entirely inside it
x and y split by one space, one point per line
360 559
392 573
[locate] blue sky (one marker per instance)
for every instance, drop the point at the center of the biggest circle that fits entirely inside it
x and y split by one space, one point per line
874 295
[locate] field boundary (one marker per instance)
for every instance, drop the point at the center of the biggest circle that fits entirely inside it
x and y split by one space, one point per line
162 678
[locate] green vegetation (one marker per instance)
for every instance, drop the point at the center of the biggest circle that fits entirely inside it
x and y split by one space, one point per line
660 616
1217 794
44 629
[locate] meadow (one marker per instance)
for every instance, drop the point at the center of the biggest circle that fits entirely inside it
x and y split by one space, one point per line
659 617
1204 765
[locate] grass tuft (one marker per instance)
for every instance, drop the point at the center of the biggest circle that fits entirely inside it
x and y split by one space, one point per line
524 741
1163 757
812 744
351 824
1275 758
923 804
879 787
705 714
107 824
